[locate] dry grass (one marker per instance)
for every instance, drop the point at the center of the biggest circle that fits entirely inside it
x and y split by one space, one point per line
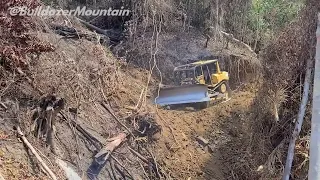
84 74
278 99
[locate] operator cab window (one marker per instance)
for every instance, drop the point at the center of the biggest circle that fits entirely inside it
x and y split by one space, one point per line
213 68
177 77
207 74
183 75
198 71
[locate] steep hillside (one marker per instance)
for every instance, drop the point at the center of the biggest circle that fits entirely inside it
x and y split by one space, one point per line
86 75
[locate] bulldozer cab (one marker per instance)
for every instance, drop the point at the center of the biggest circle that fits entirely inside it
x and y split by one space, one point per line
184 77
202 72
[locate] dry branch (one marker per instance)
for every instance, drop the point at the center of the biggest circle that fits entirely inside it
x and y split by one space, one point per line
96 143
145 160
1 177
43 164
116 118
238 42
3 106
299 121
116 160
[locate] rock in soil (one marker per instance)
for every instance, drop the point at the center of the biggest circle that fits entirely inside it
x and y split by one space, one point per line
202 141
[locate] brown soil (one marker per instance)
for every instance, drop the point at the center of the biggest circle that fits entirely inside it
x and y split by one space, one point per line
219 124
84 74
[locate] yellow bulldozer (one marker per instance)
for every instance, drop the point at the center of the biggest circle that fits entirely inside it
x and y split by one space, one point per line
196 84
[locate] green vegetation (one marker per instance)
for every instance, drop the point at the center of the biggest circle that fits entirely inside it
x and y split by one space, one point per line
267 17
273 14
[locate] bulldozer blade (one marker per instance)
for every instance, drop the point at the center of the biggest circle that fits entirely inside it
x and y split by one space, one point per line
182 95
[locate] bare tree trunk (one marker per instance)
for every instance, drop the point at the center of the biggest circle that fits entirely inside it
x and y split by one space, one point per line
314 165
276 114
216 34
257 34
299 121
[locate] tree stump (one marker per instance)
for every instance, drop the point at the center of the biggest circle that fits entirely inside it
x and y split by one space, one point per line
44 119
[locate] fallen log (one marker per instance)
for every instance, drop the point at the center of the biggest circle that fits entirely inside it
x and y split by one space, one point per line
34 152
112 34
73 33
92 27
